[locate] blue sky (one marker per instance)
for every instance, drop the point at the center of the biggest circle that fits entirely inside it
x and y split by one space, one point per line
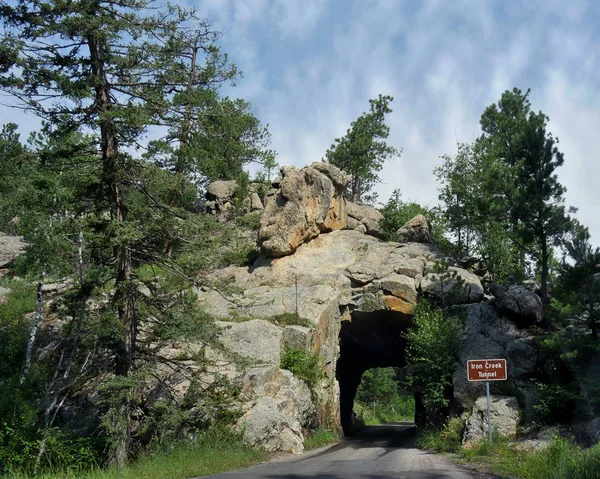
310 67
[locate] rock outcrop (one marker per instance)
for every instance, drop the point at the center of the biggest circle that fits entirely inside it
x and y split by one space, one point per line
354 295
308 202
364 218
10 248
489 334
327 281
454 286
505 415
417 230
220 197
518 303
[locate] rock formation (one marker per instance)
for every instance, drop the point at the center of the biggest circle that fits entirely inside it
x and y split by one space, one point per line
416 230
505 414
355 295
308 202
10 248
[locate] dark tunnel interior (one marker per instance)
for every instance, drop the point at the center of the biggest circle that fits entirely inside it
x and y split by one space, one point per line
368 340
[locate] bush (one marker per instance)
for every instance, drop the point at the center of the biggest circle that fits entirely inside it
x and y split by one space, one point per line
250 221
303 365
433 344
552 402
448 439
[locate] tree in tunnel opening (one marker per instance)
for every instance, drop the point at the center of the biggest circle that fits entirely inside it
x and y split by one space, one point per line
432 356
382 397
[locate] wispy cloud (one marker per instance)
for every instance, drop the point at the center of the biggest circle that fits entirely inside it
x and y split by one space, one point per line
311 65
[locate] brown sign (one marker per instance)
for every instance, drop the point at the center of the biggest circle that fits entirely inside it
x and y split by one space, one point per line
486 370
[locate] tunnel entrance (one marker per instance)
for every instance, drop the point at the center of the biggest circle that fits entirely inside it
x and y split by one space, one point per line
367 341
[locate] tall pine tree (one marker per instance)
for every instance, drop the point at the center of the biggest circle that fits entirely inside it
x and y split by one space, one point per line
363 150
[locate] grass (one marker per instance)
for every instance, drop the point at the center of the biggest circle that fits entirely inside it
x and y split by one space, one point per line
319 438
213 452
561 460
401 409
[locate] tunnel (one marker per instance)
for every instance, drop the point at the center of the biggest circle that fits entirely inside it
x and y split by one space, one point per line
367 340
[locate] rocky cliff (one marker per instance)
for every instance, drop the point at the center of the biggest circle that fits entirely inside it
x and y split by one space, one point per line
323 264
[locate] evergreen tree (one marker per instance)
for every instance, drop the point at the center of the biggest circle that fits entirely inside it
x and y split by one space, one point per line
579 283
113 69
517 143
363 150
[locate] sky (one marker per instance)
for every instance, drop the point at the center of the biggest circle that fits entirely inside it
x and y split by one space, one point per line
310 67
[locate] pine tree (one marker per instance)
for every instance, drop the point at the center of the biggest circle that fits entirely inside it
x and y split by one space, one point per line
526 153
363 150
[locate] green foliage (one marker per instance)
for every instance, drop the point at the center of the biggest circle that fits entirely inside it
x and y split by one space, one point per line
380 399
578 284
502 197
553 402
303 364
377 385
433 344
363 150
240 254
397 212
448 439
211 452
319 438
250 221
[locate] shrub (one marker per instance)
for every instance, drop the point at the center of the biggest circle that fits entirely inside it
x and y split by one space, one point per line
433 343
552 402
448 439
302 364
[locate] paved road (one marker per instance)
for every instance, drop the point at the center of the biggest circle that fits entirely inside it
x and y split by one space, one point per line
380 452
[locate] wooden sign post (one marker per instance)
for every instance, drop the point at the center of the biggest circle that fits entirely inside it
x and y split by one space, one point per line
487 370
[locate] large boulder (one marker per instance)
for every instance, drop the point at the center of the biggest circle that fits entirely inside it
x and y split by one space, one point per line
518 303
416 230
488 335
282 410
10 248
256 339
309 201
365 219
455 286
505 414
221 191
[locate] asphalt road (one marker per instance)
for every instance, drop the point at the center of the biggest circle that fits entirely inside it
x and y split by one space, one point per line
380 452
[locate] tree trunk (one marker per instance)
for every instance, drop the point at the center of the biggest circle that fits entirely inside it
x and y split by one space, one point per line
35 325
111 164
355 190
544 269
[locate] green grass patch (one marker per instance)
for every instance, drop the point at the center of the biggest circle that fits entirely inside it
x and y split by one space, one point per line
214 451
400 407
448 439
561 460
319 438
